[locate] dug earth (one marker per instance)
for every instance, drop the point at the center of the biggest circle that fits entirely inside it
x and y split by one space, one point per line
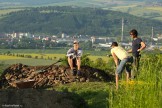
24 76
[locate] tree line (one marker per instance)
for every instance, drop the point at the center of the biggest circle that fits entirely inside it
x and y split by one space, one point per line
75 20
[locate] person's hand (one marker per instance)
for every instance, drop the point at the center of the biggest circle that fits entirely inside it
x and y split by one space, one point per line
129 51
138 50
74 56
108 55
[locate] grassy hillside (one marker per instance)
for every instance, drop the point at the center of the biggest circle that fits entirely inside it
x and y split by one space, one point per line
150 12
144 92
142 8
74 20
8 10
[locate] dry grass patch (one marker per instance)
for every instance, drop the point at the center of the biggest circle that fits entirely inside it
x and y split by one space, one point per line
5 57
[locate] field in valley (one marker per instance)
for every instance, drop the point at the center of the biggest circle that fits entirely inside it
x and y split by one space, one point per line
141 11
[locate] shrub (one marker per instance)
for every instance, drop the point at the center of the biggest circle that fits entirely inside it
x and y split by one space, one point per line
36 57
28 56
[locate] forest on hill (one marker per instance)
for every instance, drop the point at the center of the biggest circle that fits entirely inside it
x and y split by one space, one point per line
75 20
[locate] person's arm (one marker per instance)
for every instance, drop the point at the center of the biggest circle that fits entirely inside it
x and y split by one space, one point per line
143 46
115 59
79 53
129 51
69 53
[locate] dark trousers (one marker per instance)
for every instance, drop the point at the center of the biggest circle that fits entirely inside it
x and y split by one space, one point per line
135 70
74 62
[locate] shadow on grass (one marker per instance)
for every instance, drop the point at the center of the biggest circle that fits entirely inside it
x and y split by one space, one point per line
95 99
38 98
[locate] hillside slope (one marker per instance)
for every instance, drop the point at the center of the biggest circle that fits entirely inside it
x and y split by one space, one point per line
143 8
74 20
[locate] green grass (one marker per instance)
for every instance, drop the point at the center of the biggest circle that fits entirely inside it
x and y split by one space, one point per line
144 92
30 62
37 51
94 93
80 3
40 61
140 11
2 67
8 60
158 18
6 11
53 51
155 8
45 57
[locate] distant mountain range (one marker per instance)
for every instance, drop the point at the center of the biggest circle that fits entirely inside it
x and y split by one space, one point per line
92 21
89 3
13 3
75 20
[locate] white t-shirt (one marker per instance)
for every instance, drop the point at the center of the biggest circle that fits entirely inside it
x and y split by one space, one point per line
119 52
74 53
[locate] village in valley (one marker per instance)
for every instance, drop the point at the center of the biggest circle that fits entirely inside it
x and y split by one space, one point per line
14 41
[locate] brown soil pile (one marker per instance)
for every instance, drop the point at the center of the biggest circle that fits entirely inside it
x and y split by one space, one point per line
23 76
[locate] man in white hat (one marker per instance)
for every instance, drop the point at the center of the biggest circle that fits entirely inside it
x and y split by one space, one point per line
74 58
